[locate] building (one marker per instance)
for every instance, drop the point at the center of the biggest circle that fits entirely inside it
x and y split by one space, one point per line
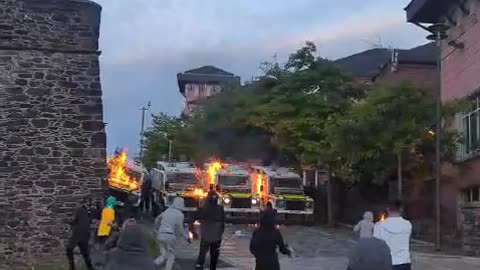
393 66
417 66
460 55
198 84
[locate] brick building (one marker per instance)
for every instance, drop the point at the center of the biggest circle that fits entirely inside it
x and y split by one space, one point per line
393 66
460 191
198 84
417 66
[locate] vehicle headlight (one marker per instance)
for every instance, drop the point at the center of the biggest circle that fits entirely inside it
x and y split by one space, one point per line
280 204
227 200
309 204
254 201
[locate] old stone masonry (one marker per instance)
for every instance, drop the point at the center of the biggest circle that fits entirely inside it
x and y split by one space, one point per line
52 136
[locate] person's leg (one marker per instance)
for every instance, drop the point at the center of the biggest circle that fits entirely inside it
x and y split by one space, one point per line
204 246
163 253
84 250
170 247
71 260
214 254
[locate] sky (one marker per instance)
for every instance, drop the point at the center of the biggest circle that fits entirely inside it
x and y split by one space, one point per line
145 43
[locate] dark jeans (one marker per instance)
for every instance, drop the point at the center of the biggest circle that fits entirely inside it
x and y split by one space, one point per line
84 250
406 266
214 254
145 203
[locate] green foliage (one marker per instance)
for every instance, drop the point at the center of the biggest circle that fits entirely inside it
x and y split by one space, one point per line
157 139
390 121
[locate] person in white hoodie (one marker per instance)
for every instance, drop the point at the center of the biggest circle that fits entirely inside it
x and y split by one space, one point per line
170 226
396 232
364 228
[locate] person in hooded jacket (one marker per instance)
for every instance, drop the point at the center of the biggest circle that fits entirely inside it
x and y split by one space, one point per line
170 226
212 226
364 228
80 234
370 254
396 232
131 252
107 220
264 243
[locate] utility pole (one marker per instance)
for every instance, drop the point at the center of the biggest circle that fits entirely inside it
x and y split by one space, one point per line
143 109
170 146
438 34
399 176
331 221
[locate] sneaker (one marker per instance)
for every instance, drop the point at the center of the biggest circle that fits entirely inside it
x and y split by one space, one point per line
159 261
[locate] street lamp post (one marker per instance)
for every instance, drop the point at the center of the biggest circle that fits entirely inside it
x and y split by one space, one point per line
142 131
438 34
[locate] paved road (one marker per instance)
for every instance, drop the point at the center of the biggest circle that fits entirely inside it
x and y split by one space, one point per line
322 249
315 248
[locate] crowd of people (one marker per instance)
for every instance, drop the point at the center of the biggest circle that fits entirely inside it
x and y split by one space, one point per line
125 242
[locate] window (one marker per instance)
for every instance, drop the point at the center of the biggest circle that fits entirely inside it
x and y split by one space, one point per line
471 128
471 194
202 90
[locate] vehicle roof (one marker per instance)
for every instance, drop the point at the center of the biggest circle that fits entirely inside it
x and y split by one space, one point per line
279 172
234 170
185 167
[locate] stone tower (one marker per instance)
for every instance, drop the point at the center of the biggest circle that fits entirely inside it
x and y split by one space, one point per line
52 135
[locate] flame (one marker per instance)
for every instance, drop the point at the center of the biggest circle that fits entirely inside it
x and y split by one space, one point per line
118 173
383 217
198 192
213 169
260 180
190 235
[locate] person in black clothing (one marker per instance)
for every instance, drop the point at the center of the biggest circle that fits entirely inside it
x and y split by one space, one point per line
80 234
264 243
212 219
146 194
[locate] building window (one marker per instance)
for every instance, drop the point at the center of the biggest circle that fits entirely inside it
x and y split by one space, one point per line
471 194
202 90
471 128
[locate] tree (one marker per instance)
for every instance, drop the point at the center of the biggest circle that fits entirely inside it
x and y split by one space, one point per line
388 131
166 134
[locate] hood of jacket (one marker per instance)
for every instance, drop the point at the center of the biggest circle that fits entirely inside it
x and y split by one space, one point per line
111 202
178 203
132 251
133 238
370 254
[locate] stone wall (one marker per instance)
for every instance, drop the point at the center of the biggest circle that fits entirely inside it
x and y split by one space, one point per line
52 136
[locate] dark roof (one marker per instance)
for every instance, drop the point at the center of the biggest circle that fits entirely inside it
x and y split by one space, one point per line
425 54
210 70
206 74
364 64
427 11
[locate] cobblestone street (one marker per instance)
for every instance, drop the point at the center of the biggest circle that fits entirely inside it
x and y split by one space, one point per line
315 248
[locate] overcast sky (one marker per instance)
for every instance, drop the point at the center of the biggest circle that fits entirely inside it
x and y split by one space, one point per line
145 43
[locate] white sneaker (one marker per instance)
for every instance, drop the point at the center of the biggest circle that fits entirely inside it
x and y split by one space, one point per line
159 261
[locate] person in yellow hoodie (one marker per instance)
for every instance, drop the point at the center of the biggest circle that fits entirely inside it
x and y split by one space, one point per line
107 220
